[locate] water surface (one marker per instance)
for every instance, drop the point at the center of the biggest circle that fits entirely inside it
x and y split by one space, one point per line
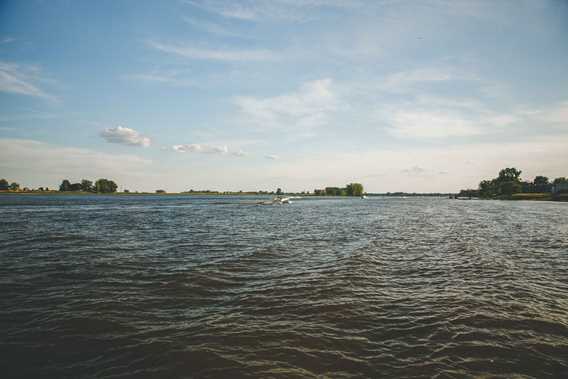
178 287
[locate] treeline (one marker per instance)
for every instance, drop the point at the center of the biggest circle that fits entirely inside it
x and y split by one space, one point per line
100 186
352 189
7 186
509 183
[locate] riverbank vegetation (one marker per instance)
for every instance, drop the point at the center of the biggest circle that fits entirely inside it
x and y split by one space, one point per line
351 189
509 185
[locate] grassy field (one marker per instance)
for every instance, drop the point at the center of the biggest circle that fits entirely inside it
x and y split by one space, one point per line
540 196
532 196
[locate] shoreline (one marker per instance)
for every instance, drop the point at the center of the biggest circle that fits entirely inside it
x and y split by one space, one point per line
516 197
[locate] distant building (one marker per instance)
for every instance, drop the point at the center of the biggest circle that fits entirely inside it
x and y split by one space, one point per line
319 192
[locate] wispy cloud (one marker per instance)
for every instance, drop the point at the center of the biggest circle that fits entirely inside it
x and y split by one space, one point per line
239 153
272 157
414 170
264 10
404 81
6 40
125 136
167 77
200 148
227 55
308 107
19 79
212 28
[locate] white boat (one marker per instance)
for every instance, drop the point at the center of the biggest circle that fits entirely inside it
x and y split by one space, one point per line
364 197
277 200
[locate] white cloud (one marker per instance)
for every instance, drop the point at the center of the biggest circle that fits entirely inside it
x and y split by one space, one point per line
125 136
272 157
239 153
21 80
433 117
310 106
227 55
431 124
200 148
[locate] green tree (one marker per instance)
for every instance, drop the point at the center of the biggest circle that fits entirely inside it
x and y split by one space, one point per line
279 191
332 191
540 180
509 174
4 185
86 185
542 184
14 186
509 187
487 188
65 185
105 186
354 189
560 180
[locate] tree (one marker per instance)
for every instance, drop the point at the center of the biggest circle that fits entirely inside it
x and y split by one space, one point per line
86 185
105 186
509 187
509 174
4 185
332 191
65 185
541 184
488 188
14 186
354 189
279 191
560 180
540 180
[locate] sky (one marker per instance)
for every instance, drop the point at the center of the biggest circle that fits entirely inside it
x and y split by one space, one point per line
416 96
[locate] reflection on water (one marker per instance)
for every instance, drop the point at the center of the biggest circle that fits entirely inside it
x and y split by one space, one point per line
169 287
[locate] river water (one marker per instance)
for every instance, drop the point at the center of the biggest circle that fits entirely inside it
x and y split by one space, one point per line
183 287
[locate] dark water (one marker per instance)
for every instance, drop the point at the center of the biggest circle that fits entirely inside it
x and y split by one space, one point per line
180 287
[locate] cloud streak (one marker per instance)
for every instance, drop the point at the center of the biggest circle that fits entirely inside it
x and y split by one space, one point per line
222 55
263 10
21 80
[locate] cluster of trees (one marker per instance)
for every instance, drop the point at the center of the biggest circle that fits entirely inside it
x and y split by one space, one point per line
351 189
509 182
7 186
100 186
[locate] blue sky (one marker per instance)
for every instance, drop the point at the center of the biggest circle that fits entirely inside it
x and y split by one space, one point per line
245 95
